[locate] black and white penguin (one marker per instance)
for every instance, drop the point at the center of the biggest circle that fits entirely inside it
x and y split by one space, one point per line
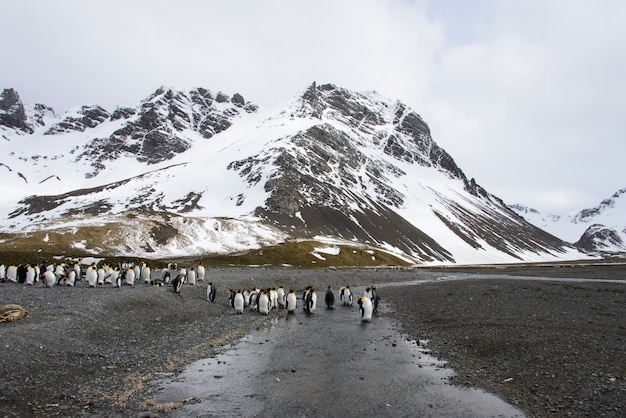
273 298
253 300
191 276
201 272
329 298
108 274
310 300
77 270
375 299
345 295
91 275
146 272
49 278
11 275
177 283
365 309
313 301
165 276
70 280
238 302
21 273
305 298
291 301
264 303
231 297
281 297
211 291
3 272
129 276
101 275
30 275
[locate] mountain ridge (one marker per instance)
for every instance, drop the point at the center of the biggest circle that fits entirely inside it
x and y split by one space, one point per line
598 230
330 163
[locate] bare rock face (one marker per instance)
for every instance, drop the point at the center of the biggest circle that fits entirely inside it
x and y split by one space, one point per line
12 112
154 130
88 116
599 238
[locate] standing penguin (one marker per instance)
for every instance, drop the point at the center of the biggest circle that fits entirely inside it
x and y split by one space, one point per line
30 275
177 283
201 272
146 272
345 295
273 298
211 291
281 296
101 275
77 270
238 302
291 301
49 279
116 277
11 273
310 300
264 303
71 278
365 308
375 299
306 298
129 276
191 276
91 275
330 298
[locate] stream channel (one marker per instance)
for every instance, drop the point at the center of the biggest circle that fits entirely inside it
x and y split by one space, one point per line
325 364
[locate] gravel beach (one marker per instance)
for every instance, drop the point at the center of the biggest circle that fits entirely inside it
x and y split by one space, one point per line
551 348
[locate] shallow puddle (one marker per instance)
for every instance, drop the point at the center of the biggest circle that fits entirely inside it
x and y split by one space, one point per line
327 363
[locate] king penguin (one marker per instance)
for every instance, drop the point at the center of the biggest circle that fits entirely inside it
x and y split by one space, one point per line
365 308
91 275
264 303
375 299
280 296
49 279
291 301
346 296
178 283
238 302
201 272
211 292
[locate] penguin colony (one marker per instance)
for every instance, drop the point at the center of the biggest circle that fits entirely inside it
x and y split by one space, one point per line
263 301
72 272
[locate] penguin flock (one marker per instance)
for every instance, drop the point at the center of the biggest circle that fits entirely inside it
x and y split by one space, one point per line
262 300
72 271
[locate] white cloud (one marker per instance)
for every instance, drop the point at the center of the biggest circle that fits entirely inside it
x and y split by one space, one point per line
527 96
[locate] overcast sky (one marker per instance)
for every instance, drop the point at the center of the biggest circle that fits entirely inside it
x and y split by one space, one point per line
527 96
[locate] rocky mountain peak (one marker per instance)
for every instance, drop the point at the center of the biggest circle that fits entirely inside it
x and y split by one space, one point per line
157 129
12 112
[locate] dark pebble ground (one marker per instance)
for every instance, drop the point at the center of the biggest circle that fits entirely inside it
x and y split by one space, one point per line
550 348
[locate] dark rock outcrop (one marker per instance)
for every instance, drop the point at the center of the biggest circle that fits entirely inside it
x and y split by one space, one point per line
12 112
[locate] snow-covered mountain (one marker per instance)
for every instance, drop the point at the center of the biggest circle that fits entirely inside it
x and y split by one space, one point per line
194 172
599 230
